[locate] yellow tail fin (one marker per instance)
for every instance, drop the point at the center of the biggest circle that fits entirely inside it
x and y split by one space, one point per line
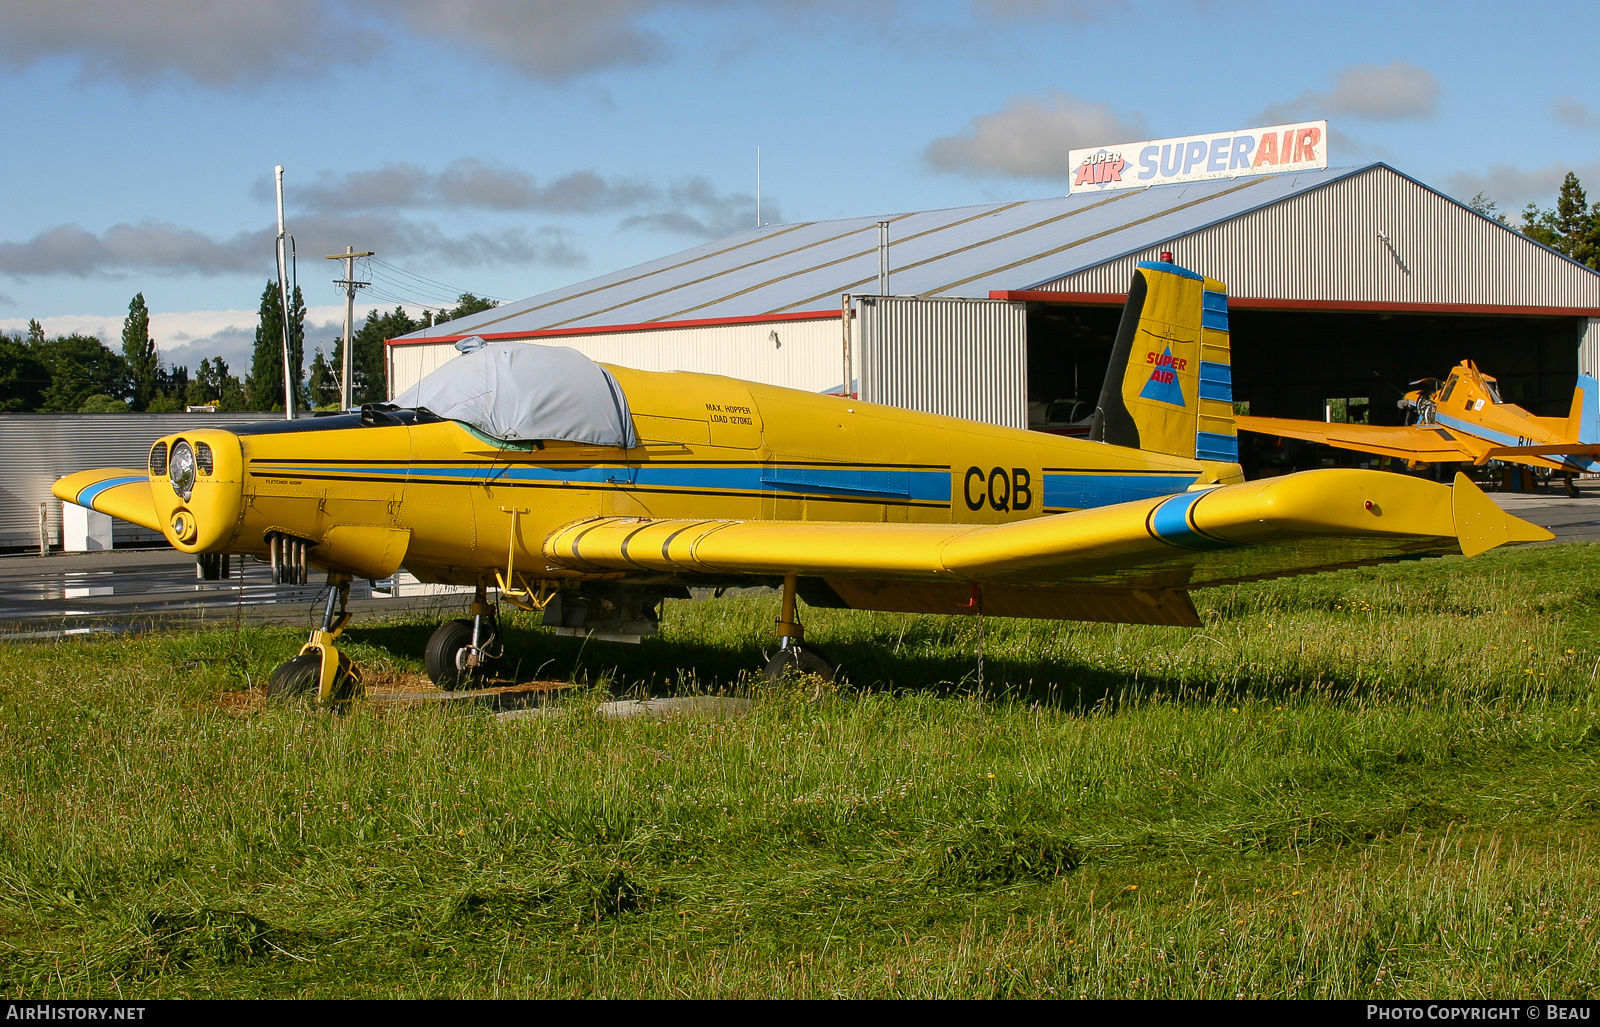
1169 386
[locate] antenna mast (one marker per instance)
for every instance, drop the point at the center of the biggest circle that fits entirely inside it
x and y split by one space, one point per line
285 266
346 386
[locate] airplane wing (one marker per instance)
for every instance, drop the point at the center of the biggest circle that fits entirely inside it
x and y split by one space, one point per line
1425 444
119 491
1147 551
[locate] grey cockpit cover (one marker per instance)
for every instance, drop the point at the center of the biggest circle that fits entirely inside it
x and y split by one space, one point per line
519 392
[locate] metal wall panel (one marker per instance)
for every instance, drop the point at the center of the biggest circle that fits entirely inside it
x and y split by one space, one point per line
1330 243
805 355
36 449
958 357
1589 348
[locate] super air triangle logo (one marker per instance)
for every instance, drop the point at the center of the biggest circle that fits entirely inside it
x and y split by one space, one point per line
1163 385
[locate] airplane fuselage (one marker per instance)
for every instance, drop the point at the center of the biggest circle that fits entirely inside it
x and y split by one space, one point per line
450 500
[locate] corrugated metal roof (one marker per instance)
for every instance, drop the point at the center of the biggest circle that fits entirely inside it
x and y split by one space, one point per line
957 252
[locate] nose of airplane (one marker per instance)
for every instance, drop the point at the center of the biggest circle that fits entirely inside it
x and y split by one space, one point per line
197 482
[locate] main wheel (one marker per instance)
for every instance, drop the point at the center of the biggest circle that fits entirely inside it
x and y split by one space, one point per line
295 678
797 662
447 653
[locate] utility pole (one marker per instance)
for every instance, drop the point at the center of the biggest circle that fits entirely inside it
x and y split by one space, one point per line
346 386
285 266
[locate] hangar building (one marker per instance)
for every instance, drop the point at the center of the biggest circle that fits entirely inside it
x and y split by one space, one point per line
1344 284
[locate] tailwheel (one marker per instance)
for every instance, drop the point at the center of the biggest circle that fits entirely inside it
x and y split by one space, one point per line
296 677
1571 486
321 670
795 663
301 678
455 656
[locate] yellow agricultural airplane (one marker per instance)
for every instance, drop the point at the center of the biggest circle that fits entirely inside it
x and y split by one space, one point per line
1464 419
592 492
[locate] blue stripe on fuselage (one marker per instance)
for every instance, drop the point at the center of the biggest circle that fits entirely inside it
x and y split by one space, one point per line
919 486
1478 430
1085 490
1072 491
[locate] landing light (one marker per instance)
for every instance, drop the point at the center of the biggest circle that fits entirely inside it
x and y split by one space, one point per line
181 471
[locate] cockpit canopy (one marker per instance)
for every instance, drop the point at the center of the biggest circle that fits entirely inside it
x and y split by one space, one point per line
518 392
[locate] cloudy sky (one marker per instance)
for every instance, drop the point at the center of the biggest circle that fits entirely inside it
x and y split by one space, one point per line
511 146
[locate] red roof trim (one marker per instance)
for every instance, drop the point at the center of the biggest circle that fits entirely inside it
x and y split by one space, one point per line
1269 303
547 333
1077 299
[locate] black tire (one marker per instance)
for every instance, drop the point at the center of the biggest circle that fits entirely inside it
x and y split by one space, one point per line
296 678
797 662
444 646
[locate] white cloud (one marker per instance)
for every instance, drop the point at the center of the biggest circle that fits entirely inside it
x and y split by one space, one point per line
1513 188
694 207
1395 91
1574 113
209 42
156 247
1074 11
228 43
186 337
465 184
1031 137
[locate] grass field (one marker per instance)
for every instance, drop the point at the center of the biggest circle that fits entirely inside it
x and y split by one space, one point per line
1376 783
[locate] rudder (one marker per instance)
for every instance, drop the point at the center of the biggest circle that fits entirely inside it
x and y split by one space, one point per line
1169 385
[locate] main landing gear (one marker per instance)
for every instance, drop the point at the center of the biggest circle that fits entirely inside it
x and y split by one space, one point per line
795 658
460 650
320 665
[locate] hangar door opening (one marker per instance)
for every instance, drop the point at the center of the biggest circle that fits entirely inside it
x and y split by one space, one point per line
1302 364
1068 349
1292 363
959 357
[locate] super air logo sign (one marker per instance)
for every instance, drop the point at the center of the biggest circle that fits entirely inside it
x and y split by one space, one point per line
1163 385
1247 151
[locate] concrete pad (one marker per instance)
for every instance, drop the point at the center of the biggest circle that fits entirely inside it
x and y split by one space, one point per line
627 709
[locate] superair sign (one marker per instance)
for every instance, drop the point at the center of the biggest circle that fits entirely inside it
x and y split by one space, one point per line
1249 151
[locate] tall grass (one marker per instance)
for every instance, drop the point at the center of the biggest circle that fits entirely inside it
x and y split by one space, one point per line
1375 783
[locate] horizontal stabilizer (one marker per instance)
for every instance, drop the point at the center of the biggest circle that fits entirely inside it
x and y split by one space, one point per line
122 492
1565 449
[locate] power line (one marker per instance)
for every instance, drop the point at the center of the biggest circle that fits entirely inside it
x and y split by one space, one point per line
424 280
406 288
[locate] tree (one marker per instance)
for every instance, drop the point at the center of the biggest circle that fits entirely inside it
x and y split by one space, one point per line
100 403
139 351
214 385
367 348
264 386
466 304
323 386
1571 227
35 331
80 366
1488 208
172 391
23 376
